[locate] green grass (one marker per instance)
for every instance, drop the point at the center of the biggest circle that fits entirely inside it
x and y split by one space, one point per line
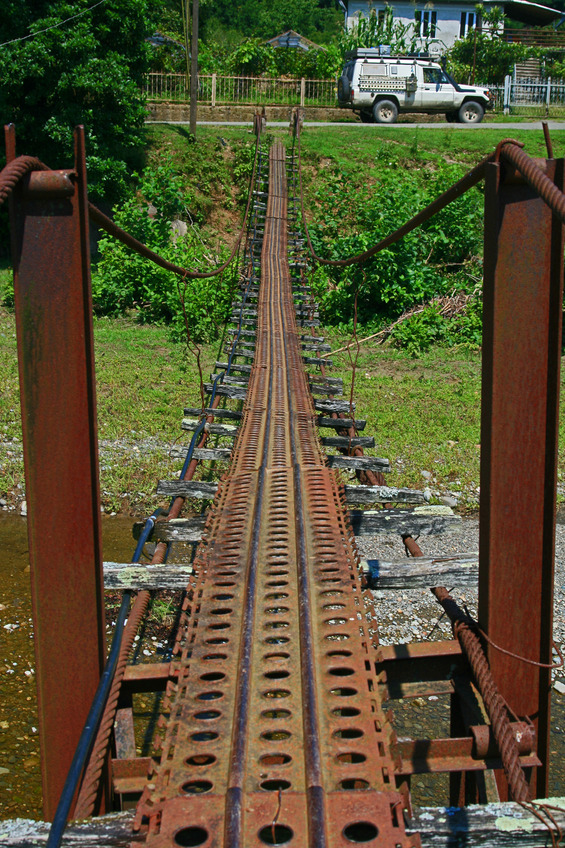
424 412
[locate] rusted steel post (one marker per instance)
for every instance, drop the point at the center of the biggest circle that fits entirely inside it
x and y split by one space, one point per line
53 307
520 400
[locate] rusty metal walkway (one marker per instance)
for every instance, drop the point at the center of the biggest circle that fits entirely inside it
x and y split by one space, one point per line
276 735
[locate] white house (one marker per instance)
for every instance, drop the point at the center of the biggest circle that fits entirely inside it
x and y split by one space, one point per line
440 23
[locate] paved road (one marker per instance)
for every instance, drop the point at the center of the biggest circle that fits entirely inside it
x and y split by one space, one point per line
529 125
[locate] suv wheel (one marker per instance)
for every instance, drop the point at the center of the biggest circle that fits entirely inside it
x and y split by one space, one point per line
471 113
343 89
385 112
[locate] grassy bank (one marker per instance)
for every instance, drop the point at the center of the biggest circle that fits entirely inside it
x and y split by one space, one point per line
424 412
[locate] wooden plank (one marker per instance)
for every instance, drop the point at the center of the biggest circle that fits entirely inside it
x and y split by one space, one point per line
121 576
229 380
341 423
314 360
422 572
312 346
312 339
361 463
237 392
192 529
214 429
240 368
317 379
420 521
235 331
499 825
212 454
333 406
382 494
345 441
187 489
217 413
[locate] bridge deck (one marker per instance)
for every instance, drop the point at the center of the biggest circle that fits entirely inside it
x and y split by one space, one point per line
276 735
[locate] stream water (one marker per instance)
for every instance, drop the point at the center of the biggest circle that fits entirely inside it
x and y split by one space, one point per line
20 780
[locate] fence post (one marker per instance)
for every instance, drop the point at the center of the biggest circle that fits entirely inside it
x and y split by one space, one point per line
213 90
522 301
548 97
302 92
507 93
53 306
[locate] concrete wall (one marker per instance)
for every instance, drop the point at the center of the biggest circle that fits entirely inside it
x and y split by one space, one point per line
181 112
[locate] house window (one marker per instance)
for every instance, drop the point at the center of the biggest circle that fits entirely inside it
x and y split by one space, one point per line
425 23
468 23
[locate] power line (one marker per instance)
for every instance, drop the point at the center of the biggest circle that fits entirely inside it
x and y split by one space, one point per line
55 26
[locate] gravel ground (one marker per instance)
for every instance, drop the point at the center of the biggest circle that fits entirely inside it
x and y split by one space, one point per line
414 615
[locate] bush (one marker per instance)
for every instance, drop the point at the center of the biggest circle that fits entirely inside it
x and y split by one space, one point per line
429 327
422 265
123 280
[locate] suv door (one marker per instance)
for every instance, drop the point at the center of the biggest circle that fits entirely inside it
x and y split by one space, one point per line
436 92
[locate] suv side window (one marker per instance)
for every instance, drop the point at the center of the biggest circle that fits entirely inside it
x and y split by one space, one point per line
434 76
348 71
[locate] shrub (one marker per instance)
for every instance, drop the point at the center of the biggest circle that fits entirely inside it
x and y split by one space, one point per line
420 266
123 280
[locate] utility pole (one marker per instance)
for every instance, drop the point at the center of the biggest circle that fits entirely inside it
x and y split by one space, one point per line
185 9
194 67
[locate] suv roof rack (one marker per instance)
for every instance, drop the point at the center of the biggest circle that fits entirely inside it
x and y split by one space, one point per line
383 51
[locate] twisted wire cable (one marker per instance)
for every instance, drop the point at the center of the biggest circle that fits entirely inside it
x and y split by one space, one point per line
463 629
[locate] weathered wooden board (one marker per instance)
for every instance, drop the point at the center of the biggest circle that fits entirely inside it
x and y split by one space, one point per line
423 572
237 392
383 494
312 339
345 441
212 454
501 825
240 368
315 346
420 521
321 389
333 406
217 413
191 529
121 576
313 360
215 429
235 331
341 423
360 463
187 489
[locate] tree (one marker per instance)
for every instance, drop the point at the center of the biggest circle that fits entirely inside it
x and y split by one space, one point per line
483 57
83 64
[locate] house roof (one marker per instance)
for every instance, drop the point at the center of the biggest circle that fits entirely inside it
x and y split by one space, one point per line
529 13
291 38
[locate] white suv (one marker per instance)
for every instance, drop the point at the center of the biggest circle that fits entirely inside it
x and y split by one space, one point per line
379 87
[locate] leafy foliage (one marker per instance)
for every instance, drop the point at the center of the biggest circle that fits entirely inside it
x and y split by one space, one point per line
484 56
125 281
85 70
425 263
430 328
372 30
